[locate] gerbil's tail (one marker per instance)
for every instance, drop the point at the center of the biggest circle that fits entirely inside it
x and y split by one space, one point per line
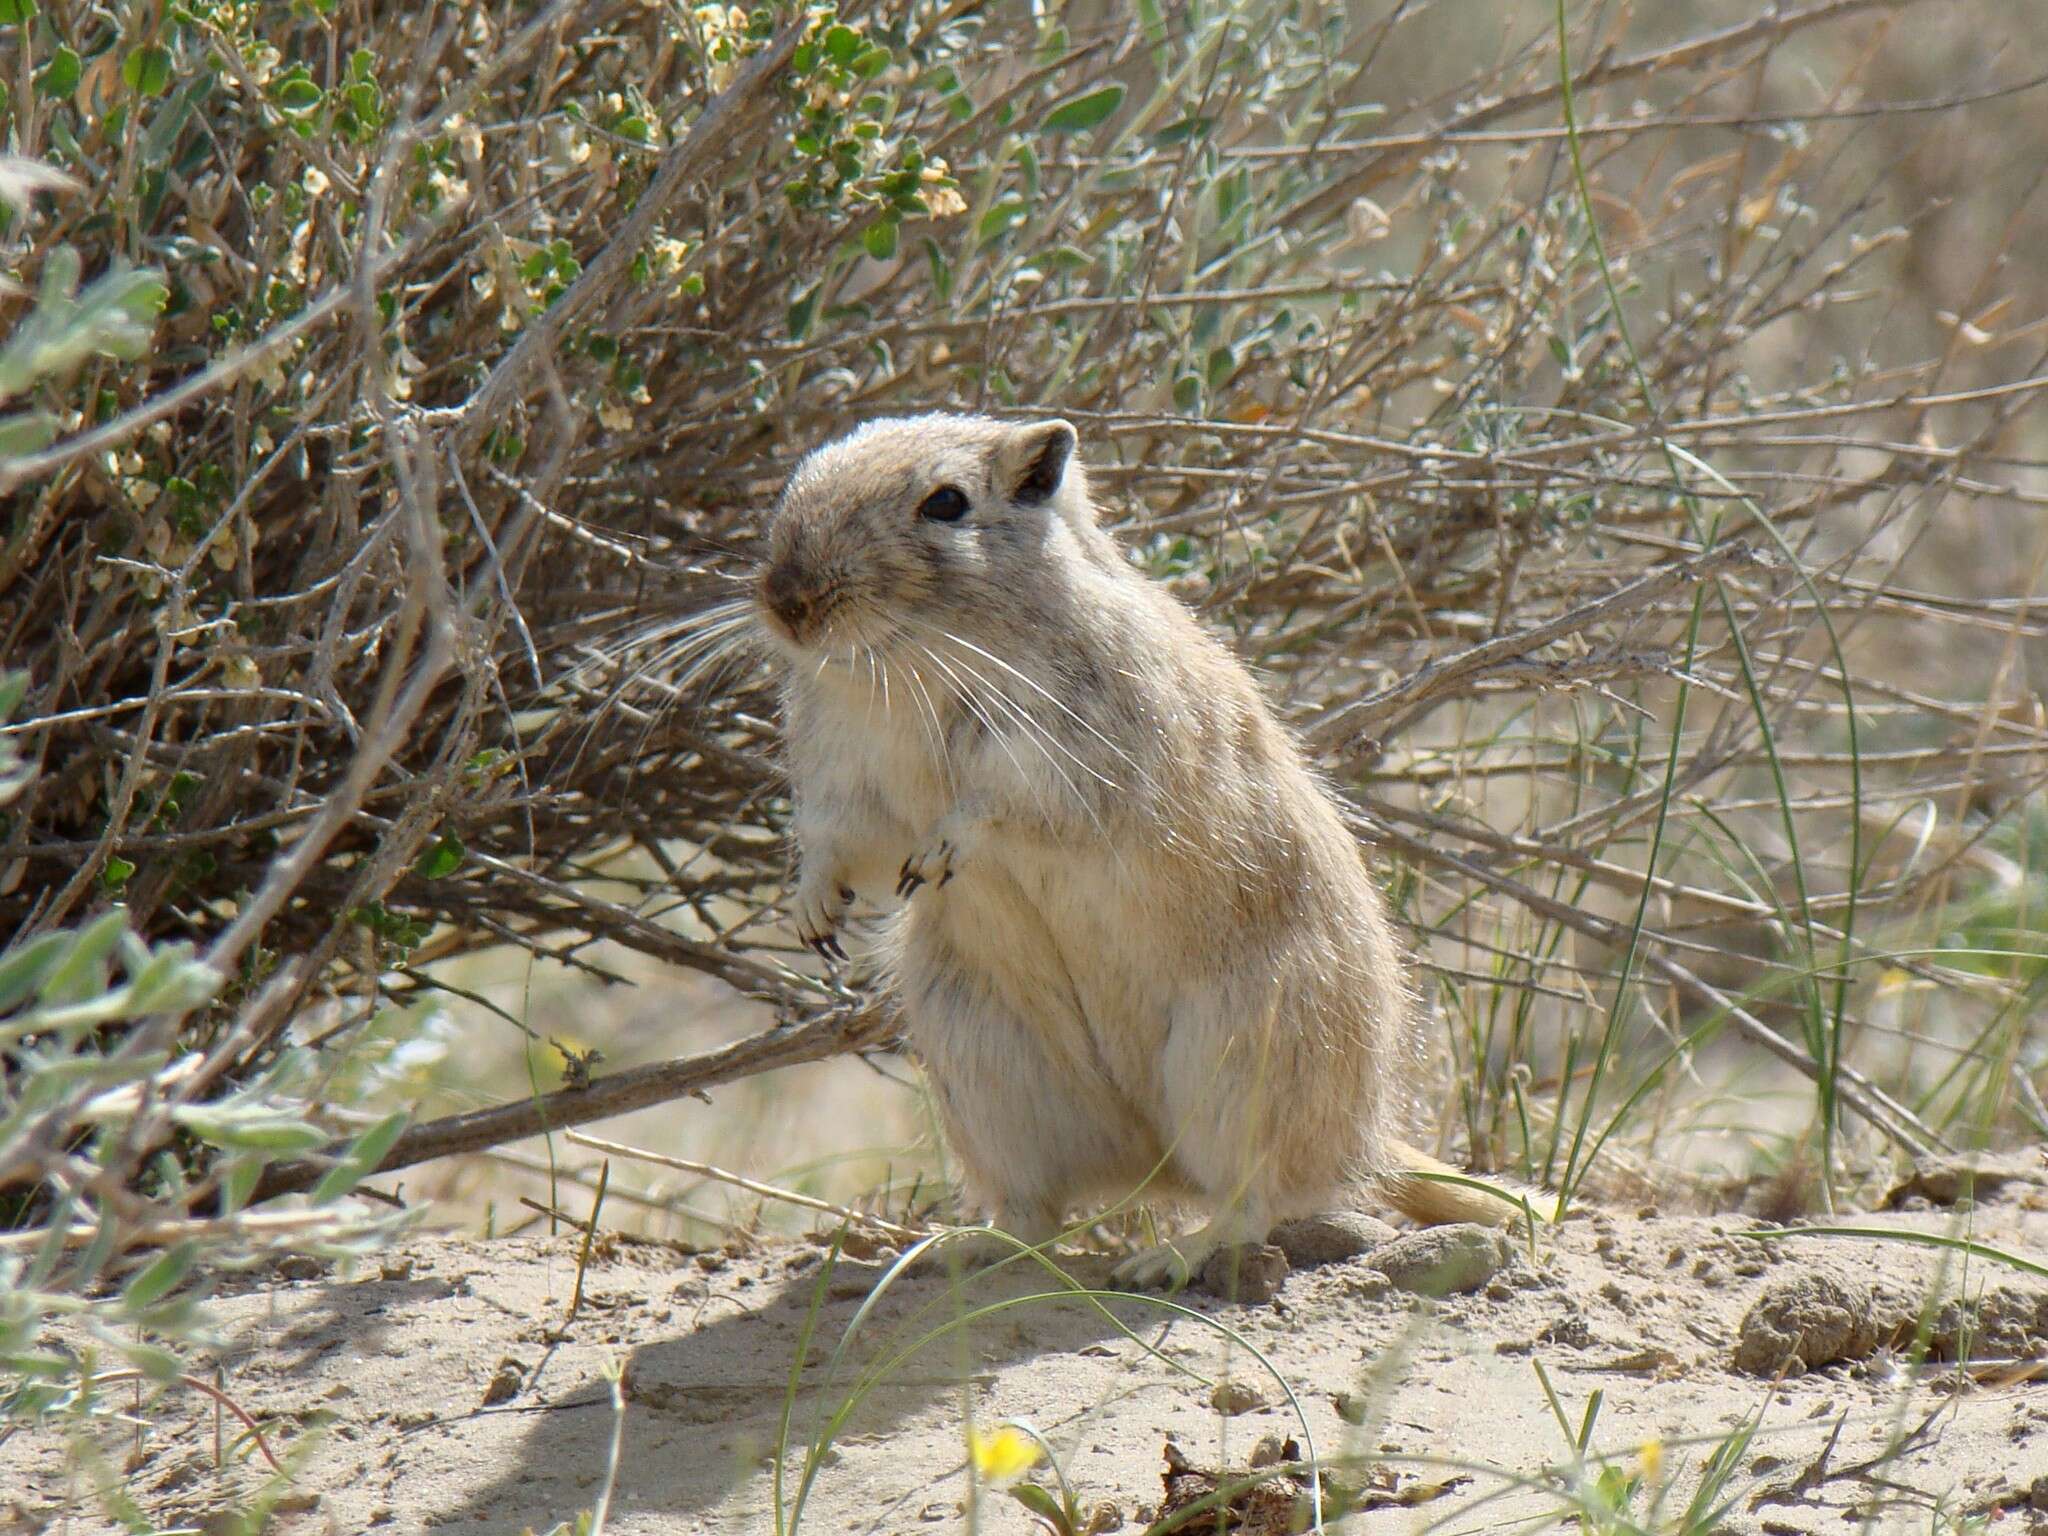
1435 1193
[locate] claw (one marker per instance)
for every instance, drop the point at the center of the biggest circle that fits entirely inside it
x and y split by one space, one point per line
912 875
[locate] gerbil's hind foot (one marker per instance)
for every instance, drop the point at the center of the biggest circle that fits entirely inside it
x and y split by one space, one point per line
1007 1238
983 1250
1176 1264
1169 1267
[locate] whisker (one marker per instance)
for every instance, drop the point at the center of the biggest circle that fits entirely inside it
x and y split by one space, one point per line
1056 702
937 730
1043 737
968 697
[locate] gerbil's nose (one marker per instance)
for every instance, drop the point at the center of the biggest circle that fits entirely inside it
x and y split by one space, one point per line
788 596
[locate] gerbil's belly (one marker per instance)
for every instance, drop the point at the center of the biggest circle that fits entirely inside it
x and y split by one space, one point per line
1067 959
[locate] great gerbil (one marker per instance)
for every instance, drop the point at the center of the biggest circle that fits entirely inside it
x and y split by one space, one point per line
1138 948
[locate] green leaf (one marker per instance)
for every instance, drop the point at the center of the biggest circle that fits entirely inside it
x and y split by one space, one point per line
14 13
116 873
148 69
1078 113
1042 1504
160 1277
880 239
942 273
1186 128
82 973
1153 21
240 1183
257 1130
168 125
171 981
998 219
59 77
26 432
872 63
22 970
362 1158
801 314
841 43
297 95
156 1364
441 860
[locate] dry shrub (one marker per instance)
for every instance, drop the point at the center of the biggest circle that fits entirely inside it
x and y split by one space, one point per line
357 611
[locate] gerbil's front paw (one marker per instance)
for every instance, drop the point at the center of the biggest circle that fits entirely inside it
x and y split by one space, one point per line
820 907
932 866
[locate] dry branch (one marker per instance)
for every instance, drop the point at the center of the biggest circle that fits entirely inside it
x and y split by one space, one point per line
710 135
1401 706
831 1034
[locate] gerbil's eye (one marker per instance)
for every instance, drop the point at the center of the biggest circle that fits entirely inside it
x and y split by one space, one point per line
948 504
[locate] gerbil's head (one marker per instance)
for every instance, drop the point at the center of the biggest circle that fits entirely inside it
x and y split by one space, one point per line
915 520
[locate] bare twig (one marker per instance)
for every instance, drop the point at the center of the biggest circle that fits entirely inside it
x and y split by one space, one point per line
1397 708
831 1034
698 149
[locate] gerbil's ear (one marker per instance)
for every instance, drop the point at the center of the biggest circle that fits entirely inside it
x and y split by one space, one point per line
1032 461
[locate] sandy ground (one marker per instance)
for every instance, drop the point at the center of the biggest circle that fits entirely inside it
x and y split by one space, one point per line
439 1389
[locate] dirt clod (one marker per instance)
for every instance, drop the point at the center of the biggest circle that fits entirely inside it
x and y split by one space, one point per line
1943 1180
1234 1397
1274 1449
505 1382
1250 1272
2006 1322
1443 1261
1268 1508
1805 1321
1330 1238
1571 1330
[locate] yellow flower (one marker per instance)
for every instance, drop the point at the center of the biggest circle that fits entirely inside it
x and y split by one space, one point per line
1003 1455
1650 1456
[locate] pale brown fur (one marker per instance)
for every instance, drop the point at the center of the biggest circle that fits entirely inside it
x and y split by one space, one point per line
1140 943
